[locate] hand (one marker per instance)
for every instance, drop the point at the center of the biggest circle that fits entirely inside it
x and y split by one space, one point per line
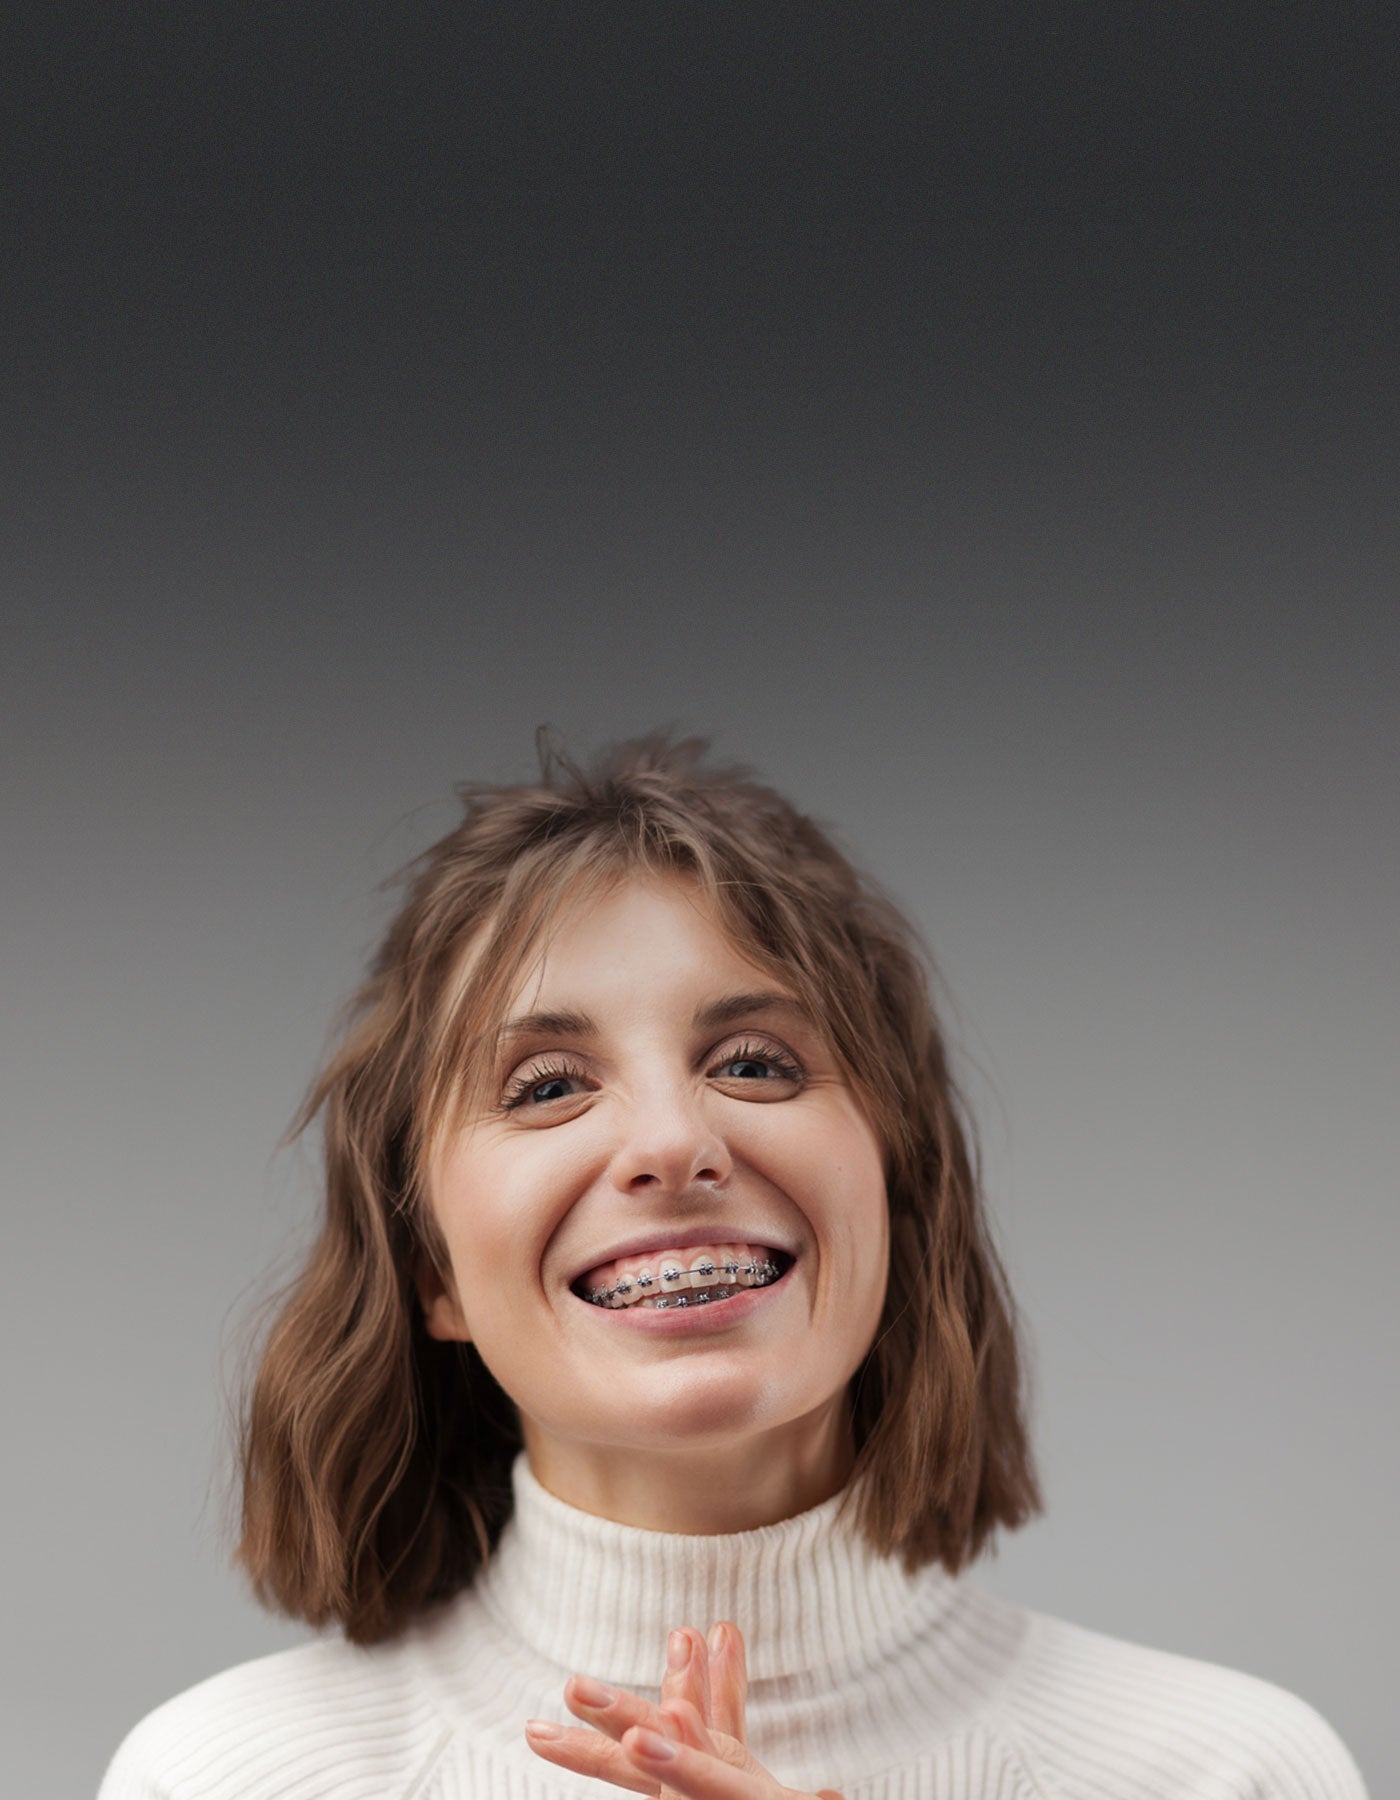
690 1747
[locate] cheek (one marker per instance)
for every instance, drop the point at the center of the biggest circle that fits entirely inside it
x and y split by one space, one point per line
846 1161
472 1207
860 1225
497 1205
832 1167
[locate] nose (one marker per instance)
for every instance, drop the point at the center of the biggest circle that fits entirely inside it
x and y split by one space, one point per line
668 1144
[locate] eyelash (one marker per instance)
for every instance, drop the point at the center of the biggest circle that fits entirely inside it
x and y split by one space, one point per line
756 1050
520 1087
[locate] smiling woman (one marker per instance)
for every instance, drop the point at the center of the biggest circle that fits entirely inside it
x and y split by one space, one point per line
654 1332
720 1199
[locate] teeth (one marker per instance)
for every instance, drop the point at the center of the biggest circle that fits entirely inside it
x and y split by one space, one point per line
640 1280
748 1274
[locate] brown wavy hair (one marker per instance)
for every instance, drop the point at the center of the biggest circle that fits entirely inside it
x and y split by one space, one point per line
375 1460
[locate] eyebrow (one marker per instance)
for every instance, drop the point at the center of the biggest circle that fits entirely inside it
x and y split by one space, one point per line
726 1011
547 1024
739 1006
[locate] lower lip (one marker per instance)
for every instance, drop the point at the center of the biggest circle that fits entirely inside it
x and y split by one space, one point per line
684 1321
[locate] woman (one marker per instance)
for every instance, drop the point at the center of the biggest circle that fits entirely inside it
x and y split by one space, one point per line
654 1334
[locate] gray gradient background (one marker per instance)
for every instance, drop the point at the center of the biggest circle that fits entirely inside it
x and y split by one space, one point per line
985 427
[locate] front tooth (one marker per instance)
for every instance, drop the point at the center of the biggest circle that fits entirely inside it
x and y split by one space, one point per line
737 1266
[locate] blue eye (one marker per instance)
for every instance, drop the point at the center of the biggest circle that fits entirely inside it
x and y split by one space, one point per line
531 1087
766 1061
537 1091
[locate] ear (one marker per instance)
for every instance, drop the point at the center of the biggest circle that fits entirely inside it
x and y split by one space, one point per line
442 1309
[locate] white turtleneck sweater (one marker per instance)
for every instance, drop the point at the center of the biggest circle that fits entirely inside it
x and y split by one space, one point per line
882 1685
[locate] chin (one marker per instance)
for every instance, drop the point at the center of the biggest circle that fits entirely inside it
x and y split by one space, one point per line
714 1422
715 1410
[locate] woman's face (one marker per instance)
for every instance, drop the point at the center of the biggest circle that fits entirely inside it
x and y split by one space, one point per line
661 1115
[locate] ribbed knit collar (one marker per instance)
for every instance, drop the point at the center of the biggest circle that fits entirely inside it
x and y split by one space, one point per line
598 1597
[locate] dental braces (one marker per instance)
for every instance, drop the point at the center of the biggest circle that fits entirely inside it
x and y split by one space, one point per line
762 1273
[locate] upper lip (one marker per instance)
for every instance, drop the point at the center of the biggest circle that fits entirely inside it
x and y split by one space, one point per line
680 1238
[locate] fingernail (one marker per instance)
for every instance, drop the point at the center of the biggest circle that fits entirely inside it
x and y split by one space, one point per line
592 1693
652 1745
715 1641
677 1651
541 1728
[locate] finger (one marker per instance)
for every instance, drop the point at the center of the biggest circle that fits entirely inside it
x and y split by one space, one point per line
686 1726
683 1723
611 1710
696 1776
729 1678
587 1753
687 1675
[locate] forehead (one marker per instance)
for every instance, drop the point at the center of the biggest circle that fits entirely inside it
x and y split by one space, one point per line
653 928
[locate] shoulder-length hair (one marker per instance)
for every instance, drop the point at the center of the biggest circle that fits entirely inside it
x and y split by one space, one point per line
375 1459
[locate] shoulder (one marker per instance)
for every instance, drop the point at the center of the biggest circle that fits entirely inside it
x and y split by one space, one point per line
307 1720
1151 1722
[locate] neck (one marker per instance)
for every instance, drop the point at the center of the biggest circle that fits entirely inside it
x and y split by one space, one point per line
700 1489
598 1597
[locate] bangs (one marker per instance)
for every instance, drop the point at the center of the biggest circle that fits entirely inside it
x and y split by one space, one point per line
536 896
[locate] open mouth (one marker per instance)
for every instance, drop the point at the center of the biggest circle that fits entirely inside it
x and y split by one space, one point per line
706 1276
